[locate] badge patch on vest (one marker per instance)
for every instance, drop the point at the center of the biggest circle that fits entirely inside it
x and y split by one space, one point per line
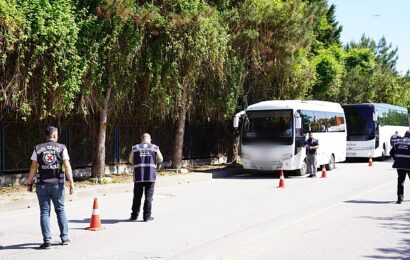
49 158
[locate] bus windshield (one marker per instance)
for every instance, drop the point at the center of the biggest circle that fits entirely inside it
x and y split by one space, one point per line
270 126
360 123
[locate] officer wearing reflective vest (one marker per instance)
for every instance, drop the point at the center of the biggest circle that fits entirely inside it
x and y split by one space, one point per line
144 157
401 155
47 161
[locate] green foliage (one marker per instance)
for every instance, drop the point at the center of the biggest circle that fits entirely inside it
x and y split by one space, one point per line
45 73
330 70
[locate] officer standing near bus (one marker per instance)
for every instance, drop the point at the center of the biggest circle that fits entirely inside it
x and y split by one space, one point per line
394 138
311 145
401 155
144 157
49 158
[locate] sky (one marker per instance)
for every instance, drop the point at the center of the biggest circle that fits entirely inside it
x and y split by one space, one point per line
377 18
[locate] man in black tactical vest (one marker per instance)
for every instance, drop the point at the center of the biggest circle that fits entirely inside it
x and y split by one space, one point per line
401 155
144 157
49 158
311 145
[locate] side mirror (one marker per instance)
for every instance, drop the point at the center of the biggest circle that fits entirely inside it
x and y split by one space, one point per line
236 119
375 116
235 122
298 121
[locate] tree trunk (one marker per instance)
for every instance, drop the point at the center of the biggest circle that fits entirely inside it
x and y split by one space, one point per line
180 130
98 169
234 151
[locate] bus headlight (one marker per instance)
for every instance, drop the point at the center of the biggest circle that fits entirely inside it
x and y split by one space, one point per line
286 156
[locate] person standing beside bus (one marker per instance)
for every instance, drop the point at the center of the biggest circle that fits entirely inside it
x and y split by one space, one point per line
401 155
394 138
311 145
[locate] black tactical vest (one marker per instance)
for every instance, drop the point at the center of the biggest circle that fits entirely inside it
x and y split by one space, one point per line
145 162
50 160
402 154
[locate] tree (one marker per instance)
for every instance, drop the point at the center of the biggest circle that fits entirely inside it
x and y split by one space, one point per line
110 44
330 70
327 29
42 69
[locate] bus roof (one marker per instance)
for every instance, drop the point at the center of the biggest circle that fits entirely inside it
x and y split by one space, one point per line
296 104
376 105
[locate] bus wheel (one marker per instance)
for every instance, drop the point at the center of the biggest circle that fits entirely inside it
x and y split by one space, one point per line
303 169
331 165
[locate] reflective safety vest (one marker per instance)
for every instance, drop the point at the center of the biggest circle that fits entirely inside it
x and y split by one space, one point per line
50 159
402 154
145 162
394 138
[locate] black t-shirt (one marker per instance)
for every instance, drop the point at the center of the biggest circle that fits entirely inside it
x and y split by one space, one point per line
309 143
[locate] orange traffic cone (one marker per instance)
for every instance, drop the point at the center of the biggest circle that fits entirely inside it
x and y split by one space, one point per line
324 174
95 224
282 180
370 161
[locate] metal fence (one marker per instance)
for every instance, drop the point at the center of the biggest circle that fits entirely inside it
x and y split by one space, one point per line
17 141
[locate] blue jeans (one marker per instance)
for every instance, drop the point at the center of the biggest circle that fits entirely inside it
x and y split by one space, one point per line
55 193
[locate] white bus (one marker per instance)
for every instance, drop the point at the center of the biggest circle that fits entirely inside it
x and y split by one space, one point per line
273 134
370 126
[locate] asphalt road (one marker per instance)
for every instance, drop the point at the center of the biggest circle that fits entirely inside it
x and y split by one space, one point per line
351 214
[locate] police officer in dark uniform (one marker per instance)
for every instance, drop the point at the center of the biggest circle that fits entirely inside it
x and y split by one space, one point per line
311 145
394 138
401 155
49 158
144 157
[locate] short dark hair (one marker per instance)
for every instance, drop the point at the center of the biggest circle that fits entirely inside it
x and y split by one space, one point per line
407 134
51 130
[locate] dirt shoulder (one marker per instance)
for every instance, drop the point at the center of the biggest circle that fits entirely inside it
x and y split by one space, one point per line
16 196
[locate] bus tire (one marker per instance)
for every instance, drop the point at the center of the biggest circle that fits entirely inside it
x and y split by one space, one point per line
331 165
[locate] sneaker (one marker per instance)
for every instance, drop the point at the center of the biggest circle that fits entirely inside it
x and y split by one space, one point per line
65 241
45 246
148 219
132 218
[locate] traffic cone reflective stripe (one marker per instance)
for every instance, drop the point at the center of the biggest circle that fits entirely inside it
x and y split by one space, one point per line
95 223
281 180
324 174
370 161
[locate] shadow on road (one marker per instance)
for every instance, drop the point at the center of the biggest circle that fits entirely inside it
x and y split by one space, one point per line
399 223
254 174
103 221
22 246
370 201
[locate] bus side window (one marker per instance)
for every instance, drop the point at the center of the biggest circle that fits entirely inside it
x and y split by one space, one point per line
322 121
307 120
336 122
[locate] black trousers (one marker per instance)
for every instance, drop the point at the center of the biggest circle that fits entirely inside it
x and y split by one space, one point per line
139 188
400 181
